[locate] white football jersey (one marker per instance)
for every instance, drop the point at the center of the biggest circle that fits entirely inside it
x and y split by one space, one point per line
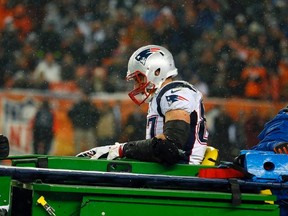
184 96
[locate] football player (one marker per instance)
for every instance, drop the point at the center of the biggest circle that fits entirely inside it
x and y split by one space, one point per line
176 125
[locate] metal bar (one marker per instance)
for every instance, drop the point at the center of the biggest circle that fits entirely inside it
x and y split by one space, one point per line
64 176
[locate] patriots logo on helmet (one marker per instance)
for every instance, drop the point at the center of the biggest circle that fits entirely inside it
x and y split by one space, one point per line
142 56
173 98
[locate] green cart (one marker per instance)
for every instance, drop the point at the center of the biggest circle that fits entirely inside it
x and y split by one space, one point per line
52 185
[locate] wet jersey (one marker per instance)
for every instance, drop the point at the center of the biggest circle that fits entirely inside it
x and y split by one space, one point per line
174 96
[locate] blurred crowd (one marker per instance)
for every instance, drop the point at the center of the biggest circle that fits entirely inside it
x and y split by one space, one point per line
229 135
225 48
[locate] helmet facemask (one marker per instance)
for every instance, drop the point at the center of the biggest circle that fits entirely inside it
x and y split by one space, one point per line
142 89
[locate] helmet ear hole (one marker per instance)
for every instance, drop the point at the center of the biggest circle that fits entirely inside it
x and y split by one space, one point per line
157 72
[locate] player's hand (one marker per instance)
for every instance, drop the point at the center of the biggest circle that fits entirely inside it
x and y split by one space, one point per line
4 146
281 148
112 152
115 151
95 153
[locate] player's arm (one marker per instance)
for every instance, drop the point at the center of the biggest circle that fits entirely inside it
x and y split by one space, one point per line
163 148
176 127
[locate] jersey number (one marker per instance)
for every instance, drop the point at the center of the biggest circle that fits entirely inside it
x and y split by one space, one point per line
202 133
151 124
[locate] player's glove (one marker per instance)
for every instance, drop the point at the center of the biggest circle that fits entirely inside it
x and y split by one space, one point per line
115 151
112 152
281 148
95 153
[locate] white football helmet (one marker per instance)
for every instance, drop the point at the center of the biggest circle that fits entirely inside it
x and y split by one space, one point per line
149 66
